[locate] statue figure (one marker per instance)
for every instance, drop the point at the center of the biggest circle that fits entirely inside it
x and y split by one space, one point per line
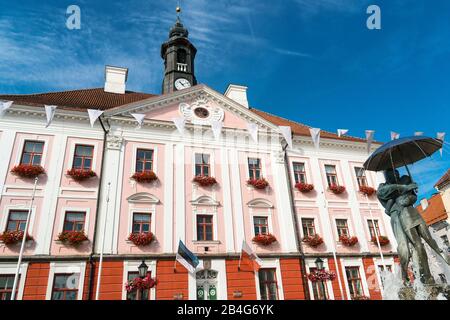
398 196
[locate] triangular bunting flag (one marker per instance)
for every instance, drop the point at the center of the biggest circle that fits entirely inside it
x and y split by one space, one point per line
50 113
286 131
418 133
253 130
315 135
94 115
441 136
369 138
395 135
180 123
4 106
139 118
217 129
342 132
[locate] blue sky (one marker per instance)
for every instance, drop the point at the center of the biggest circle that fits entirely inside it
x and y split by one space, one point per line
313 61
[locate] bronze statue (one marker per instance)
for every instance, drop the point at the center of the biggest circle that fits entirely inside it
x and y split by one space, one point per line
398 196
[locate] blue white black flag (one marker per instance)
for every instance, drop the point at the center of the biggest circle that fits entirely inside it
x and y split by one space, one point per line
187 258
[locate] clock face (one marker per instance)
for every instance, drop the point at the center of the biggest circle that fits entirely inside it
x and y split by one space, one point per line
182 83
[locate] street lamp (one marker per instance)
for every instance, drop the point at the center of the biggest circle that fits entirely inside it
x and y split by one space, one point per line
319 264
143 269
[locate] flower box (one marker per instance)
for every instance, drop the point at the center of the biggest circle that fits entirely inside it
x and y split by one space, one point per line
80 174
144 177
140 284
13 237
336 189
304 187
313 241
264 239
205 181
368 191
27 171
360 297
141 239
258 183
321 275
348 241
72 238
383 240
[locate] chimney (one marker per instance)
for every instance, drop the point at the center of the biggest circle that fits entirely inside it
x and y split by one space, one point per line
238 94
115 79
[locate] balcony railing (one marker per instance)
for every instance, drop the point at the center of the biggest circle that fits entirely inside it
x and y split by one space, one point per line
182 67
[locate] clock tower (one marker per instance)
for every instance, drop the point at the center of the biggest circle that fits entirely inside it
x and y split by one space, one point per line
179 55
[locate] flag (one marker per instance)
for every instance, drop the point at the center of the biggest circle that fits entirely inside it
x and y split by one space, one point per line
286 131
180 123
94 115
253 130
342 132
441 136
217 128
249 261
186 258
395 135
139 118
369 138
50 113
4 106
315 135
418 133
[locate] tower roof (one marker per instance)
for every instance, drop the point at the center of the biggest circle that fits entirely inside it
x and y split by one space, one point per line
178 30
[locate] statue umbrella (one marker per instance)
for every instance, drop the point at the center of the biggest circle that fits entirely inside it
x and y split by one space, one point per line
401 152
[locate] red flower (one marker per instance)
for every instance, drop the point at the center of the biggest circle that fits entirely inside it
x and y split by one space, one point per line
337 189
264 239
72 237
144 177
205 181
384 241
367 190
258 183
27 171
348 241
140 284
321 275
81 174
141 239
12 237
304 187
313 241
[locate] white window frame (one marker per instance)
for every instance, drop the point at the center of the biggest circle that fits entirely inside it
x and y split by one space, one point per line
132 266
66 267
263 166
315 219
64 210
349 225
205 212
10 269
310 264
258 213
151 211
380 226
7 210
85 143
339 176
355 262
271 264
389 261
305 162
211 161
39 138
137 146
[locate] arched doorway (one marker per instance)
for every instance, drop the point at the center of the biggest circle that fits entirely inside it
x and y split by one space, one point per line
206 281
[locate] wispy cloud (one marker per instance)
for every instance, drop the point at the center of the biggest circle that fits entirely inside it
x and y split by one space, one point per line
315 6
292 53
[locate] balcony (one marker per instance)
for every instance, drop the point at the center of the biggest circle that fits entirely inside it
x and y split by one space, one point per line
182 67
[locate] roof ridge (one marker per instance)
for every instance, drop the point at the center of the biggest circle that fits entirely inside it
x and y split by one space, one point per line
66 91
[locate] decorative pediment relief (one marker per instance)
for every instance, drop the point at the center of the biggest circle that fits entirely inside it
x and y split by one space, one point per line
260 203
201 111
143 197
205 201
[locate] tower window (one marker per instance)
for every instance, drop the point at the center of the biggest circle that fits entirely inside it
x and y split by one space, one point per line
181 56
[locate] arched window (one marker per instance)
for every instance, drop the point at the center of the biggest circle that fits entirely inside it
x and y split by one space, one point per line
181 56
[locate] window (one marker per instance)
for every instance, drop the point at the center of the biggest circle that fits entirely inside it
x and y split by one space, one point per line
261 225
373 226
144 160
32 153
299 172
202 165
82 158
268 284
354 281
331 175
181 56
138 294
320 291
65 287
6 286
141 222
361 176
445 240
381 270
309 230
74 221
17 220
204 228
342 227
254 168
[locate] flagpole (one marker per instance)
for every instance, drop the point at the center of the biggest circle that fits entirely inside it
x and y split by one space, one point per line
240 256
24 240
97 291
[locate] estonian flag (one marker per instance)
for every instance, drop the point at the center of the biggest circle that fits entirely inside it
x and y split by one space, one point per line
186 258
